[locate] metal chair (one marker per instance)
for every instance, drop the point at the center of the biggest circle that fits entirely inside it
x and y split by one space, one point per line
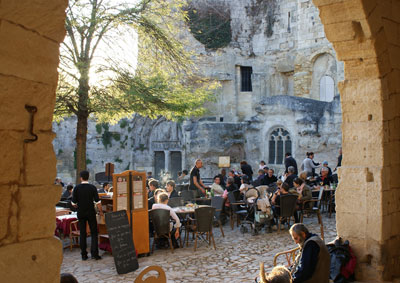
187 195
236 209
287 208
160 220
175 202
203 225
310 208
218 202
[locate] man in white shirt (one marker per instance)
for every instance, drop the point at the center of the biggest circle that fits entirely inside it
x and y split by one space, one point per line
216 186
162 204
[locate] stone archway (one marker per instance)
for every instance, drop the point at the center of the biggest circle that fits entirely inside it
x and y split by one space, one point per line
365 36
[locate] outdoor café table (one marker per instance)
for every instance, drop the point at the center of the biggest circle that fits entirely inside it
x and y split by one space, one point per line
203 201
62 224
183 210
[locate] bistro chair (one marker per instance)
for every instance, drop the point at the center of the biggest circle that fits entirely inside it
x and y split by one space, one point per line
290 256
287 208
175 202
310 208
202 225
150 278
236 209
160 220
218 203
74 233
187 196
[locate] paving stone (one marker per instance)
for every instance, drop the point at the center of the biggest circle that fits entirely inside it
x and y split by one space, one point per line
236 259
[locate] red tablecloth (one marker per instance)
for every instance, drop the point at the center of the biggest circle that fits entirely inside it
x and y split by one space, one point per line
63 223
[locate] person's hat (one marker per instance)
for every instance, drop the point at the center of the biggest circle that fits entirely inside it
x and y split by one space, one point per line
325 163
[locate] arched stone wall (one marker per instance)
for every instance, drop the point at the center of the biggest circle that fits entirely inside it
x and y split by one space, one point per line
365 35
30 34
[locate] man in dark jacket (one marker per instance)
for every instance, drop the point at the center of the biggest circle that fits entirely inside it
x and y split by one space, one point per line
290 161
84 197
313 263
246 170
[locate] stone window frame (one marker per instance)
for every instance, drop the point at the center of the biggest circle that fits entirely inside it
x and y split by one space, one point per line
276 156
246 84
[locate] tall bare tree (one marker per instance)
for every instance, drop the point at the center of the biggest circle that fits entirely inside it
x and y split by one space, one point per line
93 82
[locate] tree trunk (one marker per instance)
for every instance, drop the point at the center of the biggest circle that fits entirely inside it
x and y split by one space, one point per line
81 137
82 123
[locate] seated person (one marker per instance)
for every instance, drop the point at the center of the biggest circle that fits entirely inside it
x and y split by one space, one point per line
216 186
67 194
153 199
162 203
184 177
171 189
303 190
245 184
235 177
153 185
105 189
324 179
325 165
313 264
260 179
290 176
230 185
283 190
270 178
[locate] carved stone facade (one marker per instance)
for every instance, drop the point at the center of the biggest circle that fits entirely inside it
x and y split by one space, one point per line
278 71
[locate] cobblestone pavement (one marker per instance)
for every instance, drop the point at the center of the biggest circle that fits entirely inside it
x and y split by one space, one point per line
236 258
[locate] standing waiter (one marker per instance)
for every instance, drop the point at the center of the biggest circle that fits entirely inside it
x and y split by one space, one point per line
85 196
196 184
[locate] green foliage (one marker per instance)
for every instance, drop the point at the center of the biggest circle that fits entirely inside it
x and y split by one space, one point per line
116 136
210 27
123 123
88 161
118 160
142 147
99 128
127 167
60 151
129 129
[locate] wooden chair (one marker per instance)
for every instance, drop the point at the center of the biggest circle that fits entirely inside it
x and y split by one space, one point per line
290 256
218 203
161 278
287 208
235 209
74 234
310 208
203 225
160 219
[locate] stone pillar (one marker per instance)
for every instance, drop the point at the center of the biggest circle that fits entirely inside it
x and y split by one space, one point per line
167 160
365 36
30 35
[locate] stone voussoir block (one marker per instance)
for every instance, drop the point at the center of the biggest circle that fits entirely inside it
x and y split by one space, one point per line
11 150
32 261
40 160
43 16
36 218
27 55
15 93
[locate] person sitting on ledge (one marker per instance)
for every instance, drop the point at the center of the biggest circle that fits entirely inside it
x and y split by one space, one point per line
313 263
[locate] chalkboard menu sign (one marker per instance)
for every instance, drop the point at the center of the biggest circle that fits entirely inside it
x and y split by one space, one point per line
121 241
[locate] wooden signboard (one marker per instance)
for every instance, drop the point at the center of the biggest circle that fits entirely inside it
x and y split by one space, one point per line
224 161
130 194
120 235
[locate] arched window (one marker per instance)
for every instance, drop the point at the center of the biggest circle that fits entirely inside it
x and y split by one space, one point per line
326 89
279 144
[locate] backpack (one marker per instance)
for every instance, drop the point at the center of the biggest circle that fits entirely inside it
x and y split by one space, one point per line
343 261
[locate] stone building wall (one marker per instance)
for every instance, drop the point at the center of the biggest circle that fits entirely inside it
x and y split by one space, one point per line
284 43
30 34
